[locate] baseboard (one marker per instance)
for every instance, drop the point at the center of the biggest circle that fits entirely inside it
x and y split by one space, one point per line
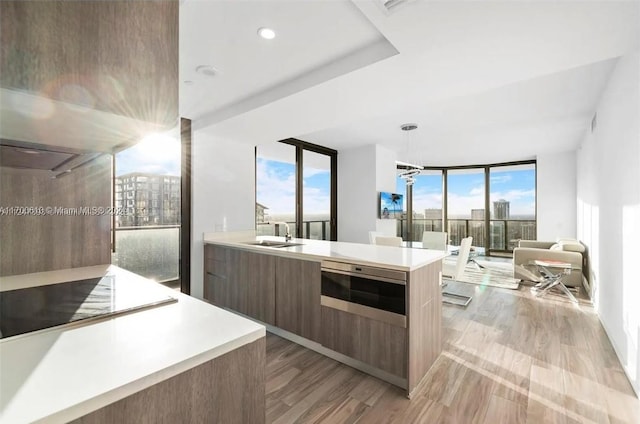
635 389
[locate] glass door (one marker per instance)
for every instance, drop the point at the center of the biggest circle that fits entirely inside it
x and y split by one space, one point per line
275 189
316 195
513 206
147 191
296 184
466 205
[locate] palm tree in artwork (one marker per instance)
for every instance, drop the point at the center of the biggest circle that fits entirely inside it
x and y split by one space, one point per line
395 199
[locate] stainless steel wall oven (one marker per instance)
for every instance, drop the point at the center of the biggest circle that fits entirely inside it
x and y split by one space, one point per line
372 292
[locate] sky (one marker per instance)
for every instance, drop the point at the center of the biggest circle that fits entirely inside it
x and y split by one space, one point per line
276 183
466 191
154 155
276 188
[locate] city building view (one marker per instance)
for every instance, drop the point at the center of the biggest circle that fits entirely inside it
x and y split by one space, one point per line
147 199
511 196
147 191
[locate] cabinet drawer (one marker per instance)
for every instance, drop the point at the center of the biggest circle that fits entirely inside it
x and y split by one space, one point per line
376 343
216 290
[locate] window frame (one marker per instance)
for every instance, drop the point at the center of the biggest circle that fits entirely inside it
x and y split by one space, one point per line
300 147
487 196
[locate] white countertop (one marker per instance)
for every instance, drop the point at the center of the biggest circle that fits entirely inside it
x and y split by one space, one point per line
400 258
63 373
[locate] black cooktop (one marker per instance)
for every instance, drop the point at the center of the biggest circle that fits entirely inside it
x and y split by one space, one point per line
37 308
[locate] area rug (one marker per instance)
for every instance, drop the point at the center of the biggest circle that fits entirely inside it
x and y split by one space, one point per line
487 273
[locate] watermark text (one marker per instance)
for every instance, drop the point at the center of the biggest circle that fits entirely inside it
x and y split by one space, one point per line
62 211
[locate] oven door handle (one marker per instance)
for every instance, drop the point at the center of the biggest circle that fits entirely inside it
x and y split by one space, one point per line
392 318
365 276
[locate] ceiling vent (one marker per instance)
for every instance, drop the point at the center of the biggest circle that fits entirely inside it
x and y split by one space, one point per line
391 6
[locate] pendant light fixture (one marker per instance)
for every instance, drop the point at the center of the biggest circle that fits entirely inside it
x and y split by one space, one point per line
409 170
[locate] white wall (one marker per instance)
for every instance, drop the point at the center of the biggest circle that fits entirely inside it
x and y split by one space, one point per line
386 174
223 194
556 195
608 193
357 201
362 173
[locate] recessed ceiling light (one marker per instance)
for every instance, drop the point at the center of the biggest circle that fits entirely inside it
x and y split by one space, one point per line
207 70
267 33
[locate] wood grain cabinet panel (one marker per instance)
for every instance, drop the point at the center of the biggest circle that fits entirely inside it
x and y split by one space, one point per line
242 281
228 389
374 342
236 282
122 55
37 243
257 286
424 321
298 297
215 272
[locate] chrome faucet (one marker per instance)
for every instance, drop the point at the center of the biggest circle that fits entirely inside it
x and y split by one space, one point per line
287 236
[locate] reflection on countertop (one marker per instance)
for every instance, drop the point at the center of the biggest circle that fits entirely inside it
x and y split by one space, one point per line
38 308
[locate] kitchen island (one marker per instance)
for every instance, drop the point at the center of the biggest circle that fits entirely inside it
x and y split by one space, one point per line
375 308
184 361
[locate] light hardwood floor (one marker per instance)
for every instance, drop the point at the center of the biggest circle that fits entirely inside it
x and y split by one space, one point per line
507 358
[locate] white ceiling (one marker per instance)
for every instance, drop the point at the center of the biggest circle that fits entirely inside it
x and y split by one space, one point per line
485 81
513 122
315 41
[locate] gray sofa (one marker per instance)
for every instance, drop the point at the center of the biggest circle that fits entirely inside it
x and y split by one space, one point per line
563 250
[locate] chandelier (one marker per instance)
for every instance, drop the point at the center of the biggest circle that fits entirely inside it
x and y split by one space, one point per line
408 170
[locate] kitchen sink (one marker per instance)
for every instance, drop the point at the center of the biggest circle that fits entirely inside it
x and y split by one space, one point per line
273 243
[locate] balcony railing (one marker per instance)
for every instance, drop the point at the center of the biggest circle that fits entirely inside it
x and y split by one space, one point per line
152 251
504 234
314 230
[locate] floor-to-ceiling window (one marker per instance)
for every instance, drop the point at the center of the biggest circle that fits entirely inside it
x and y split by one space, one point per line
495 204
147 200
296 184
512 208
275 189
316 195
427 204
466 191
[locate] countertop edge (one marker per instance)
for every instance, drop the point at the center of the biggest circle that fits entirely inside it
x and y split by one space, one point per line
242 244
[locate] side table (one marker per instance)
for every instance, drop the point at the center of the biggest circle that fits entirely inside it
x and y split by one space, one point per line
552 279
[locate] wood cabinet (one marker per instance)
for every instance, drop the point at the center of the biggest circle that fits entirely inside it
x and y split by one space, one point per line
286 293
279 291
215 272
376 343
227 389
298 297
424 321
121 56
242 281
253 285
